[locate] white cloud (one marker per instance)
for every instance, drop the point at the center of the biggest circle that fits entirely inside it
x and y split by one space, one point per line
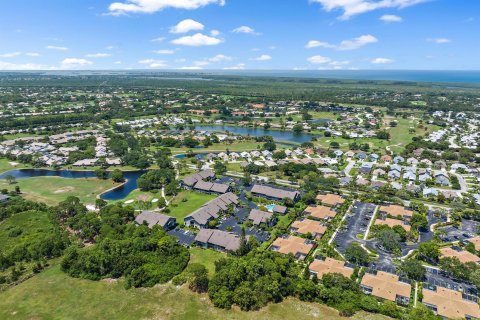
319 59
98 55
153 64
197 40
191 68
56 48
263 57
246 30
220 58
382 61
440 40
187 25
345 45
388 18
10 55
164 51
240 66
351 8
23 66
160 39
152 6
118 62
33 54
214 33
75 63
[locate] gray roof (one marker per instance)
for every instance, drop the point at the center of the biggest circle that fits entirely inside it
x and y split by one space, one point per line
153 218
223 239
211 209
259 216
280 209
194 178
274 192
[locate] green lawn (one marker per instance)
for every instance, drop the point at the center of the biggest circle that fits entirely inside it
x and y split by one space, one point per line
186 202
52 190
6 165
219 147
31 223
54 295
206 257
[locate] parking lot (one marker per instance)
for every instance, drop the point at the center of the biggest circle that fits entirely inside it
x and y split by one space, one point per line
233 224
184 237
468 229
357 223
434 277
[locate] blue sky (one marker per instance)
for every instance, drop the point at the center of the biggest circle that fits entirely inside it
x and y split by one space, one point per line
240 34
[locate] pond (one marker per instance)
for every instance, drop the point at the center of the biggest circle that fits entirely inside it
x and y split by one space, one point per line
260 132
115 194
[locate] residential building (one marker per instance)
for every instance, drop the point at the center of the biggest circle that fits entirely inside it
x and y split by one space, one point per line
288 244
321 266
462 255
330 199
307 226
386 286
275 193
259 217
210 211
320 212
218 240
153 218
450 304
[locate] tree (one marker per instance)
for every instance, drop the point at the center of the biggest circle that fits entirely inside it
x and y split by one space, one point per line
117 176
270 146
389 240
383 135
413 269
17 190
100 203
199 281
10 179
354 253
419 221
101 174
429 251
297 128
220 168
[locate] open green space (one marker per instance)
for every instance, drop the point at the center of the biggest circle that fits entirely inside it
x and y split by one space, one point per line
54 295
219 147
22 227
186 202
52 190
206 257
7 165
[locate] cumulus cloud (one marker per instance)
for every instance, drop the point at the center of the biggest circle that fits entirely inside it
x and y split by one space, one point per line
187 25
197 40
75 63
382 61
33 54
263 57
246 30
319 59
332 64
98 55
440 40
220 58
10 55
191 68
160 39
164 51
152 6
345 45
240 66
351 8
389 18
153 64
215 33
56 48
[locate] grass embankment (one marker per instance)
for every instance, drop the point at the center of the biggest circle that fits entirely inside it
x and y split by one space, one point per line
54 295
7 165
52 190
186 202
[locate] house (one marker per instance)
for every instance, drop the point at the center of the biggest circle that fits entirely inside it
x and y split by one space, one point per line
210 211
450 304
377 184
320 212
279 209
386 286
394 174
361 156
462 255
4 198
288 244
210 187
441 178
386 158
412 161
307 226
398 159
396 211
374 157
349 154
392 223
321 266
190 181
409 175
365 168
330 199
379 172
338 153
258 217
153 219
430 192
218 240
275 193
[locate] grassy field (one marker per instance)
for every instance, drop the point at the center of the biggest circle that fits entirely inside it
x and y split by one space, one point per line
6 165
31 223
206 257
54 295
219 147
52 190
186 202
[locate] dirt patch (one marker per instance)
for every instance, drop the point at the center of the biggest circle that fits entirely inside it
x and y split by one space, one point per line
63 190
13 164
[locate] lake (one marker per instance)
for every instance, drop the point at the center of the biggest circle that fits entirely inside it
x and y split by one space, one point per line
260 132
118 193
